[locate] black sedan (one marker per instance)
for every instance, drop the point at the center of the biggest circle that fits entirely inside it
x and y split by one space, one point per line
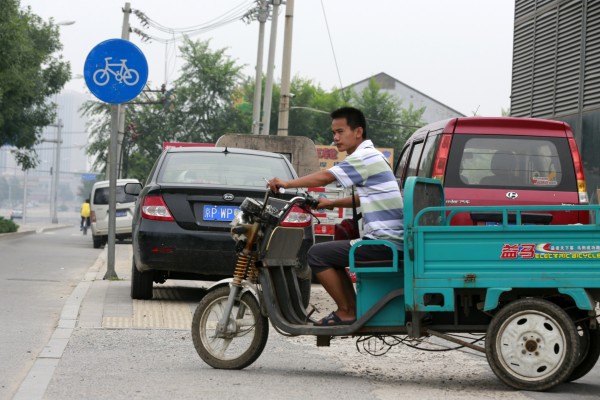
181 224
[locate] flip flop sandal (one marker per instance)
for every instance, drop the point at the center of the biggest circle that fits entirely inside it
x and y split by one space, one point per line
333 320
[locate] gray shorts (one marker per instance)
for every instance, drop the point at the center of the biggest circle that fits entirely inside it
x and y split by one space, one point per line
334 254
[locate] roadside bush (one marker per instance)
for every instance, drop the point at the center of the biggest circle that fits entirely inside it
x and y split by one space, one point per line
7 226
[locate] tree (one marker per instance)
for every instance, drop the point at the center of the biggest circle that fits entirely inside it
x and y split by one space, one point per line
388 123
207 93
30 72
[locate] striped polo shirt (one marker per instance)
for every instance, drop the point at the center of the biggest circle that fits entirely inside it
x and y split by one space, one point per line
380 199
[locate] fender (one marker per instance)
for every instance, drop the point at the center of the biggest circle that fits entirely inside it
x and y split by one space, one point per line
246 287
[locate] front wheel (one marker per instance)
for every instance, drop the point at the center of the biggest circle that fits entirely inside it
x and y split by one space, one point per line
244 338
532 344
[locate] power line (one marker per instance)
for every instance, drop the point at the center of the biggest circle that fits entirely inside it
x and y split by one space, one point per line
337 68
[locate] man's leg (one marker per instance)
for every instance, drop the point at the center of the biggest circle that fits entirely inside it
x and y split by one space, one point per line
340 288
329 261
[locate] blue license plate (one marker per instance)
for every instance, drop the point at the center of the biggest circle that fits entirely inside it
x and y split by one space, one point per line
219 213
121 213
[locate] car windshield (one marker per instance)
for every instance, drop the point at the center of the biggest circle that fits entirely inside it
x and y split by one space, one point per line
230 169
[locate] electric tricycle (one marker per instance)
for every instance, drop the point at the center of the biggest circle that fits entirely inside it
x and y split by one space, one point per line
531 290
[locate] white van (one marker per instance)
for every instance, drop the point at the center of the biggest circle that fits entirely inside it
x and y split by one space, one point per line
99 211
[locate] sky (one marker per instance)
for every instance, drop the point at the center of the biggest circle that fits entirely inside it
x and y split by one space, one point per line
456 52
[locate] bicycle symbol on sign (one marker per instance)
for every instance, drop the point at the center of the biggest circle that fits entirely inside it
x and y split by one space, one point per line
128 76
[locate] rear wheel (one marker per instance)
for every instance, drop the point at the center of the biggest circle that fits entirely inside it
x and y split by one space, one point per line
589 350
532 344
246 333
141 283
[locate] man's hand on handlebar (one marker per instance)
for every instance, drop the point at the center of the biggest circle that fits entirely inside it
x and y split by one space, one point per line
275 184
324 203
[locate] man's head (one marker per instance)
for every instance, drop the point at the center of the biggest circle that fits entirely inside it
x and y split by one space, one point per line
354 118
349 128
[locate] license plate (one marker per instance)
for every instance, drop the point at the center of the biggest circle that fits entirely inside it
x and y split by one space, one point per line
121 213
219 213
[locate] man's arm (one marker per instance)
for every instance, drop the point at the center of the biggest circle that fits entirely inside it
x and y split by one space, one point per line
316 179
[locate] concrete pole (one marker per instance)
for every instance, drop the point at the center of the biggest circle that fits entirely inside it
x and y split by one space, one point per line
56 177
263 13
112 193
25 196
124 35
266 120
286 65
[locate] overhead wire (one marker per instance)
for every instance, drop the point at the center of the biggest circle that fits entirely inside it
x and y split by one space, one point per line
337 68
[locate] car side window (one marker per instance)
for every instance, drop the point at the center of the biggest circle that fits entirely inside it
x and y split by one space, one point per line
427 159
413 159
400 167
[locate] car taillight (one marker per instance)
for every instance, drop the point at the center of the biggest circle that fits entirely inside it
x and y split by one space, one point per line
154 207
297 217
441 160
581 188
93 216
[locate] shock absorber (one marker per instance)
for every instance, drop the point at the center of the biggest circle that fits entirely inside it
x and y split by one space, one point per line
252 274
244 261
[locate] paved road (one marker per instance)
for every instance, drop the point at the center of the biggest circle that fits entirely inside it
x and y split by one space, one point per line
108 346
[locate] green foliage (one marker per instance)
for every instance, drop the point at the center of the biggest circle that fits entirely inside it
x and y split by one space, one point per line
213 99
7 226
30 72
388 124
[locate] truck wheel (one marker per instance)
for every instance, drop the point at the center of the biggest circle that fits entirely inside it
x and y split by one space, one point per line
246 336
141 283
532 344
589 350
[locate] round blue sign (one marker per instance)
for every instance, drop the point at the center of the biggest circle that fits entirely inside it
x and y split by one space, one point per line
115 71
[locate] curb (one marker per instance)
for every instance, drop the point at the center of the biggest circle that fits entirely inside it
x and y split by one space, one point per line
29 231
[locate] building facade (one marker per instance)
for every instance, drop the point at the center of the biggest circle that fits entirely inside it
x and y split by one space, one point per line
556 71
434 110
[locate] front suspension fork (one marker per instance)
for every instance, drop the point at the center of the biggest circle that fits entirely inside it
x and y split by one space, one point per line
244 268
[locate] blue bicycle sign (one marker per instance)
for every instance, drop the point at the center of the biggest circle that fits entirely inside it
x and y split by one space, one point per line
115 71
123 74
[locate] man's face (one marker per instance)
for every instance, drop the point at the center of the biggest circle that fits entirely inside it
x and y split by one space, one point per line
344 137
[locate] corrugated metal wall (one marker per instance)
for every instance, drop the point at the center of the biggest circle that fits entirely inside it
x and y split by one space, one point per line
556 70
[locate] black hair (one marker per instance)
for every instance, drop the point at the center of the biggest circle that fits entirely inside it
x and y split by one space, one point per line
354 117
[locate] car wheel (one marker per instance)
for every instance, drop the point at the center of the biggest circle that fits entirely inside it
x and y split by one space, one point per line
532 344
98 241
245 336
141 283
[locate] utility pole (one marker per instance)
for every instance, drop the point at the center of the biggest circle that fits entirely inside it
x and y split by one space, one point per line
266 120
56 172
286 65
263 14
124 35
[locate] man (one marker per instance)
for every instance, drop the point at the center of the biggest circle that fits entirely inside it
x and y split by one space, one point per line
381 205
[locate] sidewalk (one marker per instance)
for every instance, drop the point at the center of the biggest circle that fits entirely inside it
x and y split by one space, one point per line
106 304
30 228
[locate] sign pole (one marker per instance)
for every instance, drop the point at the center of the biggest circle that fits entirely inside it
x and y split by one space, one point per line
112 194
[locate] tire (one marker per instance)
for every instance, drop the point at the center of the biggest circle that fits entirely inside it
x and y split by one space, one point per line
243 346
141 283
589 341
98 241
131 77
532 344
101 77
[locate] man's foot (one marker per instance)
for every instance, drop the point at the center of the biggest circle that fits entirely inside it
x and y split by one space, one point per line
333 320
